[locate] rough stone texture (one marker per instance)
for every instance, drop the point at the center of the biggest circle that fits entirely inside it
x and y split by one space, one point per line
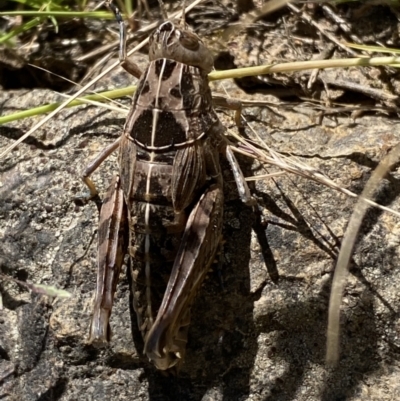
250 340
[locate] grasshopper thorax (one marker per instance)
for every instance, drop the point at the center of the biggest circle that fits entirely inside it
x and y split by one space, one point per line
180 45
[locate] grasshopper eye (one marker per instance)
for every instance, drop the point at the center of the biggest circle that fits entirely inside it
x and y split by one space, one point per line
189 41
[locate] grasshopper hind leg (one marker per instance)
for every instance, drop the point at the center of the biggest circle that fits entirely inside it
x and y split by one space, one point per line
247 198
112 238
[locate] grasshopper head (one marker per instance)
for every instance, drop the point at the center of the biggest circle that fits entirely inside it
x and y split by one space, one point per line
180 45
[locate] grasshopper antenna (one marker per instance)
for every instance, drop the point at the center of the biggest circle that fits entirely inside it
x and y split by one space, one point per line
126 64
183 16
122 30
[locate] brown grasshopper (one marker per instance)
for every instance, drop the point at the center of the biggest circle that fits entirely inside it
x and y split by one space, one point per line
165 207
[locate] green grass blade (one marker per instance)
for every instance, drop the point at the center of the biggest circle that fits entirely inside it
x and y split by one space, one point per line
60 14
30 24
49 290
100 97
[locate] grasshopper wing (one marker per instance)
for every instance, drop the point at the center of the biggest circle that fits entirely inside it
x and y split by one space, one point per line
166 342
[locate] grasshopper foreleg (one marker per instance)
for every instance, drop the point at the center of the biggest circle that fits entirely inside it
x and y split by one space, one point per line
92 166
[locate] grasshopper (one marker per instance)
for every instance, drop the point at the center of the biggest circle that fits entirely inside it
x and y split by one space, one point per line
165 208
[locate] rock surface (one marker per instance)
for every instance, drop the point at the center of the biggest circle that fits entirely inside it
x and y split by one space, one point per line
253 339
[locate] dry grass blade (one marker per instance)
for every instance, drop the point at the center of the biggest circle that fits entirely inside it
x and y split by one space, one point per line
295 166
48 290
249 19
348 242
64 104
86 87
271 6
304 65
